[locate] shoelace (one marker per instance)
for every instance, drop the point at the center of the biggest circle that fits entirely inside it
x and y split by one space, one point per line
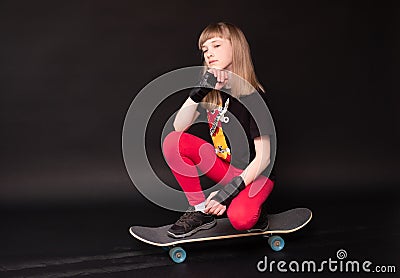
187 215
184 216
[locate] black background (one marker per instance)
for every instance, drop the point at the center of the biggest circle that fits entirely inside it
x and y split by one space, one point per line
70 69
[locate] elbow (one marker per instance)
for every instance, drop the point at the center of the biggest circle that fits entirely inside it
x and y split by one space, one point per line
176 126
264 162
261 163
268 162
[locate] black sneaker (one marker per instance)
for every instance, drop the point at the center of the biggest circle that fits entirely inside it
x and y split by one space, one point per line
262 223
191 222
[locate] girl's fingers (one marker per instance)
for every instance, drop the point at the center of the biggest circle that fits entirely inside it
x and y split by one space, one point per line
221 210
220 75
216 209
207 209
213 207
216 74
209 206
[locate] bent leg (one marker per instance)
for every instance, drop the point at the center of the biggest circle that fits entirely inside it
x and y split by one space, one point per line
245 208
185 154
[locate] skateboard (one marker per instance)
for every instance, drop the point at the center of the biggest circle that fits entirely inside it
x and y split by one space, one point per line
280 223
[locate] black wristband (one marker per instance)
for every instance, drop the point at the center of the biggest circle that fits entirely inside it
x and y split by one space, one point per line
206 84
230 191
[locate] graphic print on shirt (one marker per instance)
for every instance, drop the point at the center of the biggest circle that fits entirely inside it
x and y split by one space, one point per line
215 118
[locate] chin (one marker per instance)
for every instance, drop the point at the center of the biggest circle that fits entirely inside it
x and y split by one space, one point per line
216 67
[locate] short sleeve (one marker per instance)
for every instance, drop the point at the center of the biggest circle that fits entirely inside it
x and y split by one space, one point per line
260 117
202 111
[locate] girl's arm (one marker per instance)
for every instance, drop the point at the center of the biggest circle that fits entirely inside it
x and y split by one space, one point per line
261 160
252 171
186 115
212 79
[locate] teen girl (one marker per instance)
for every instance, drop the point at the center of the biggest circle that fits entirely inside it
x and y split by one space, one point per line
241 162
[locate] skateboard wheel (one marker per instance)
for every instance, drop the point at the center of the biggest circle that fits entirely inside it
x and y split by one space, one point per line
177 254
276 242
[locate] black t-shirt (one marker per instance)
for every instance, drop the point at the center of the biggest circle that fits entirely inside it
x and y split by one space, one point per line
245 119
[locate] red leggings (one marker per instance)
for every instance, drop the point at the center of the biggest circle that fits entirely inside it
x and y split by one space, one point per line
186 154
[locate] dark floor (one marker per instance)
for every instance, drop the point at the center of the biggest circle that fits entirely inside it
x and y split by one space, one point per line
94 240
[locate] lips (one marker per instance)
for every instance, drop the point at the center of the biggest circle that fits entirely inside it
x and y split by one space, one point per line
212 61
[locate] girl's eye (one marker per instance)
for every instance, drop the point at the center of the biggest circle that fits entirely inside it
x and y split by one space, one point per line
217 45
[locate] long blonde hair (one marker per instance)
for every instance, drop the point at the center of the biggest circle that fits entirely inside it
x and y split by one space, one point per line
242 65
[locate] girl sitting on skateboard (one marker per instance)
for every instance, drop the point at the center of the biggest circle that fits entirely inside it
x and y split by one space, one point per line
242 163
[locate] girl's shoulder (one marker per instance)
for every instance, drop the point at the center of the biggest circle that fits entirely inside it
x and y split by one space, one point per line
256 96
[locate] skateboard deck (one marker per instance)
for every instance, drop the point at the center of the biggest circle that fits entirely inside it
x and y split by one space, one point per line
280 223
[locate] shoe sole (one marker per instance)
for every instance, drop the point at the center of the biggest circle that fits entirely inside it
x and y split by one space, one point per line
258 230
202 227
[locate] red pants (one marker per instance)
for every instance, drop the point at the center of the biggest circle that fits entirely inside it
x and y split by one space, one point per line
186 154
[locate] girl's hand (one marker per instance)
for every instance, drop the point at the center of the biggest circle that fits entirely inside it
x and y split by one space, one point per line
222 77
213 207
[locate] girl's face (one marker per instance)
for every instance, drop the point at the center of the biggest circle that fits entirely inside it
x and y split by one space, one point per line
218 53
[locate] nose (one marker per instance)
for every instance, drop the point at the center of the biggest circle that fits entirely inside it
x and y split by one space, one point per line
209 54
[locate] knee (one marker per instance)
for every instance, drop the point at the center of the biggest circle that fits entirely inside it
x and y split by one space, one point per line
240 218
171 142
